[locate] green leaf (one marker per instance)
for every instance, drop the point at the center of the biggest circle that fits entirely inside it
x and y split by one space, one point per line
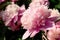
2 6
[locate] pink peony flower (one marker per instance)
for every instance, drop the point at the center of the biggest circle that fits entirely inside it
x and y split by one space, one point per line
54 32
51 35
37 13
36 18
11 16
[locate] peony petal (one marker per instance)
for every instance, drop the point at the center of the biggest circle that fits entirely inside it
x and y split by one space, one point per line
26 34
34 33
58 24
51 27
22 7
12 25
54 13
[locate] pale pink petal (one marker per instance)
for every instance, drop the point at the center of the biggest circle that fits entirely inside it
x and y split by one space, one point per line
22 7
54 13
33 33
26 34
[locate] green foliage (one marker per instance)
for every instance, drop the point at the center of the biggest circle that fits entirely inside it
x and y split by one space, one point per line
54 4
3 5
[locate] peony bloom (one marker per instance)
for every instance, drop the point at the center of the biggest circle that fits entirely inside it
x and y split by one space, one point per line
11 16
37 13
36 18
54 32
